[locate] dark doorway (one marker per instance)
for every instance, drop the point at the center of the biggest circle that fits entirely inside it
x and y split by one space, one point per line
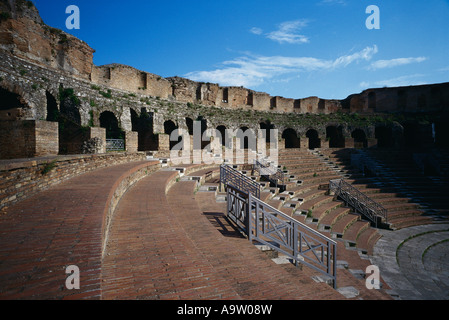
52 108
384 136
291 139
314 140
110 123
335 137
360 140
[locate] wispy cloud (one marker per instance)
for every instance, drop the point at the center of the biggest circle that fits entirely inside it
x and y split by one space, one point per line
402 81
250 70
382 64
256 30
287 32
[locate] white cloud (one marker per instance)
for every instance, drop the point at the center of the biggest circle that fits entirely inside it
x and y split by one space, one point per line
256 30
250 71
382 64
402 81
288 32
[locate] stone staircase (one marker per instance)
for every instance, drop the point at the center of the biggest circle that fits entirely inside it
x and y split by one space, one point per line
410 197
306 199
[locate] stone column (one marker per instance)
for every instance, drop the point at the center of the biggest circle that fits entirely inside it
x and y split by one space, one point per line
131 141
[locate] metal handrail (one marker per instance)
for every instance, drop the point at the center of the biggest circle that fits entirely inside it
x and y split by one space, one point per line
267 169
358 200
231 177
271 227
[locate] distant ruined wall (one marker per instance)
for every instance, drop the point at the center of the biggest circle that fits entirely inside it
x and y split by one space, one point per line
43 69
25 35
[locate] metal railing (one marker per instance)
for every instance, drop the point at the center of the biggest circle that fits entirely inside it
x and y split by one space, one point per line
298 242
115 145
231 177
359 201
274 174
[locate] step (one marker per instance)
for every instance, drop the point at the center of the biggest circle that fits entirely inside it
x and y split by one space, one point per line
332 217
352 232
339 228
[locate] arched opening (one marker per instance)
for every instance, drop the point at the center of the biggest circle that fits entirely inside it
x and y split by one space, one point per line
69 105
71 134
247 138
225 139
143 125
169 127
314 140
291 139
267 127
360 140
203 122
384 136
335 137
110 123
10 105
189 124
52 108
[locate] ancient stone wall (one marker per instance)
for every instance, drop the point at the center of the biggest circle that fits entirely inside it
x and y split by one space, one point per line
25 35
28 139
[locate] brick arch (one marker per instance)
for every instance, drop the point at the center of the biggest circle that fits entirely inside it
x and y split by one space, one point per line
13 104
314 138
360 138
291 138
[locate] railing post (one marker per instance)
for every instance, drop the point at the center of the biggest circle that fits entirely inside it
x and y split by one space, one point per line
295 243
249 208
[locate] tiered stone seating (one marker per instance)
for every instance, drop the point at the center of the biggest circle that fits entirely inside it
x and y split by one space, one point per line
317 207
410 197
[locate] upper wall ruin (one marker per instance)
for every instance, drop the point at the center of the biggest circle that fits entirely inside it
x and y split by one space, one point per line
23 34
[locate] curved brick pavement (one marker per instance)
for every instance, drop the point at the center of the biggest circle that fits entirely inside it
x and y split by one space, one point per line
163 247
56 228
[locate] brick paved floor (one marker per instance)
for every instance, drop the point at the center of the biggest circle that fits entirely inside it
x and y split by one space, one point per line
62 226
161 246
164 247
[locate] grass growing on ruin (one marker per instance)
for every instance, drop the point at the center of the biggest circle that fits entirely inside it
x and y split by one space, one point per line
48 167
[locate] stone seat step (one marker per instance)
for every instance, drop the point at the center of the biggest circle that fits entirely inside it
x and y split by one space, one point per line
339 228
309 194
322 211
406 222
331 218
277 204
315 202
367 240
403 213
352 232
401 207
321 178
388 201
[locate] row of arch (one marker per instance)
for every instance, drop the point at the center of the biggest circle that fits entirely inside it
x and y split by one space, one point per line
143 123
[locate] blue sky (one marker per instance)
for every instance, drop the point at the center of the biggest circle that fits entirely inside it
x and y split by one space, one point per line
292 48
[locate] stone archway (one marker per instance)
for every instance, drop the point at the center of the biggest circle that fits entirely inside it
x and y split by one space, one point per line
314 139
291 139
11 105
335 136
109 121
360 140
